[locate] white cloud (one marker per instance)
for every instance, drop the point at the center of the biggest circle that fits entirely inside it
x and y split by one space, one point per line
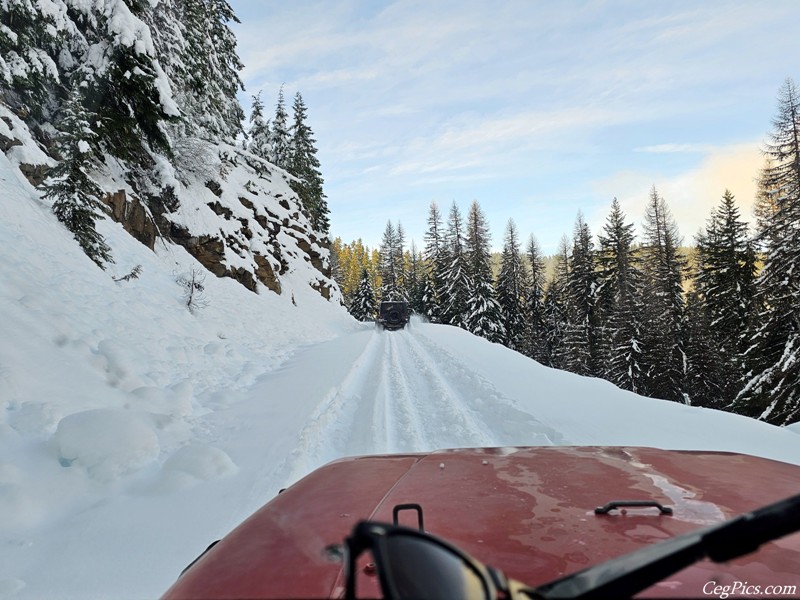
690 195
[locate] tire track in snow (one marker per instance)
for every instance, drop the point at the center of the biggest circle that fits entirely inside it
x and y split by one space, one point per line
485 409
328 429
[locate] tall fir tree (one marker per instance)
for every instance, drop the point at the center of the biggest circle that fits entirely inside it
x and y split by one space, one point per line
772 389
725 286
304 164
456 283
619 304
663 311
75 195
556 307
363 305
535 337
391 265
209 80
580 336
124 84
280 140
511 283
483 316
415 280
30 38
258 134
435 255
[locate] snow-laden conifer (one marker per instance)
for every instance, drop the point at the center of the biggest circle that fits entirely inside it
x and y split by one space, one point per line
619 304
304 164
511 283
663 311
772 390
69 184
435 255
258 133
363 305
580 335
280 140
725 286
483 315
456 282
535 334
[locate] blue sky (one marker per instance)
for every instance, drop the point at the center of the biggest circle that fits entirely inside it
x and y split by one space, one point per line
537 109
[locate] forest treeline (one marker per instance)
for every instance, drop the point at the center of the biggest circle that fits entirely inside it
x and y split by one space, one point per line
721 332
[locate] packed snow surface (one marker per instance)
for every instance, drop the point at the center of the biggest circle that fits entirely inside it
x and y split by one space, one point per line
133 432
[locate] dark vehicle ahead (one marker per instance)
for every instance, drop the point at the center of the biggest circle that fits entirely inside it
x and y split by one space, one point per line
393 315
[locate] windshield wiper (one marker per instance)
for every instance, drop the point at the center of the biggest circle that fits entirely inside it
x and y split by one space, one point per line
625 576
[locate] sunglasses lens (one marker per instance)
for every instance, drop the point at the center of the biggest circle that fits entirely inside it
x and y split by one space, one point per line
419 569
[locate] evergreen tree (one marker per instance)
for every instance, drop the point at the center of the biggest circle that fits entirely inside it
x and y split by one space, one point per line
705 373
436 257
208 69
535 336
29 39
124 83
580 336
619 304
456 282
555 308
483 316
511 282
725 284
391 266
663 323
259 130
74 193
772 391
304 165
363 305
279 138
415 282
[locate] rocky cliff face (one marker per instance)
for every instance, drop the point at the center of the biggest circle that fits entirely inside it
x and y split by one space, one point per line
235 213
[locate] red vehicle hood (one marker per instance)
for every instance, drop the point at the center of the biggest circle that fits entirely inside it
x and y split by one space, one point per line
526 511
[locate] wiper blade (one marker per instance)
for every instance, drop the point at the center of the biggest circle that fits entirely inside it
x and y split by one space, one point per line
626 575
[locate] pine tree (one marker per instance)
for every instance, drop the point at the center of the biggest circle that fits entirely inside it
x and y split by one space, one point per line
663 311
209 67
483 316
74 193
456 282
705 373
391 265
30 38
415 282
535 336
555 308
725 285
580 336
125 85
279 139
436 257
772 391
304 165
619 304
511 283
363 305
258 134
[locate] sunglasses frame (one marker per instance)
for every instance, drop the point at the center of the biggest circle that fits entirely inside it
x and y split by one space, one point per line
373 536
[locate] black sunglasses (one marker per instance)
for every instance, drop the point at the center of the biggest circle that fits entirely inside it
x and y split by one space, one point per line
413 565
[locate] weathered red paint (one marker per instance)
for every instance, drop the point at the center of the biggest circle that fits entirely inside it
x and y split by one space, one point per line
527 511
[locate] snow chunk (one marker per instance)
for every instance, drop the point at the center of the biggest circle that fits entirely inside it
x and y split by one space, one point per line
201 461
108 443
